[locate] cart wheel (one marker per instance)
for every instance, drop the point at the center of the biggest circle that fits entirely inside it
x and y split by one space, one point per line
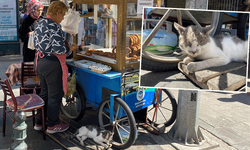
74 106
166 112
104 121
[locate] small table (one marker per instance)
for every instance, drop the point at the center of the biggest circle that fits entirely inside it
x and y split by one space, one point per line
14 73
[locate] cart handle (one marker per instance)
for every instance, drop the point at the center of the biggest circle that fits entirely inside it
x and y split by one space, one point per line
128 73
157 102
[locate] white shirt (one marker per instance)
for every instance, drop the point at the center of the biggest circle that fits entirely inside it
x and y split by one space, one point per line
81 31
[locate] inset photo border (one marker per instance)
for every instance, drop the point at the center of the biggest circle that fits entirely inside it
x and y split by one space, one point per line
194 49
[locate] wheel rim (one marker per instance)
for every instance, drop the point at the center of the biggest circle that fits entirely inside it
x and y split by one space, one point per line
118 123
71 106
163 113
215 22
169 58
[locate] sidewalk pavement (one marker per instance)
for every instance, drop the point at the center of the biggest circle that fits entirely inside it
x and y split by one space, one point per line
223 119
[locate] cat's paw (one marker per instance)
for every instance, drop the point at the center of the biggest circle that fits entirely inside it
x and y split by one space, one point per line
82 143
187 60
110 145
192 67
106 146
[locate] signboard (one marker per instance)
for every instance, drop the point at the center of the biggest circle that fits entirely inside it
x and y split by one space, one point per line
130 83
141 3
45 2
8 20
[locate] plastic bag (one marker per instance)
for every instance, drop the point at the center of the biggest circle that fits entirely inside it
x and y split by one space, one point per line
31 42
71 85
71 21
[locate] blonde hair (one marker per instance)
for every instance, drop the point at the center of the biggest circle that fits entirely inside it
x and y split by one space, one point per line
55 6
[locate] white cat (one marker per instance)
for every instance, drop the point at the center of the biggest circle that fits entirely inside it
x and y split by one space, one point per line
212 51
99 136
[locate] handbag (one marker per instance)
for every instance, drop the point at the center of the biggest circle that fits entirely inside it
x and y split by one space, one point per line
31 41
71 22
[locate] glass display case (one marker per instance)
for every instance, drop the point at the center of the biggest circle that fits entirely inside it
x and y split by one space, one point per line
111 34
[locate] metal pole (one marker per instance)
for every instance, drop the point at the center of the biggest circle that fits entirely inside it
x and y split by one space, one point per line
186 130
192 18
190 4
197 4
19 131
201 4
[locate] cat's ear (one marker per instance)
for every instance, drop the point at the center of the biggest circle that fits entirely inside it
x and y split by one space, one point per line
208 30
179 28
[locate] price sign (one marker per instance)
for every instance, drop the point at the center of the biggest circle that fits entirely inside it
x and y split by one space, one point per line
141 3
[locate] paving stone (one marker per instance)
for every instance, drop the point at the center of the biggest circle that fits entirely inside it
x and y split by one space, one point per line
224 121
239 129
243 145
228 135
5 141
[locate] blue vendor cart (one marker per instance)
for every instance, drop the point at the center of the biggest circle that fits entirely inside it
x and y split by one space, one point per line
117 96
115 92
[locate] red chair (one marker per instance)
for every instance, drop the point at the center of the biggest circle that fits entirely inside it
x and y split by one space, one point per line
29 78
28 102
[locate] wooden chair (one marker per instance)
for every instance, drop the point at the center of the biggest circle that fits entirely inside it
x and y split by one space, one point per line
28 102
28 79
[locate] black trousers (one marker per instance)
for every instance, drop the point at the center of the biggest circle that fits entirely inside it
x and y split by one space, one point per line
50 74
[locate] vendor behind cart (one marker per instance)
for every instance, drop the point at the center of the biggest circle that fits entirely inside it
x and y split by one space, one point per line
51 67
101 27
